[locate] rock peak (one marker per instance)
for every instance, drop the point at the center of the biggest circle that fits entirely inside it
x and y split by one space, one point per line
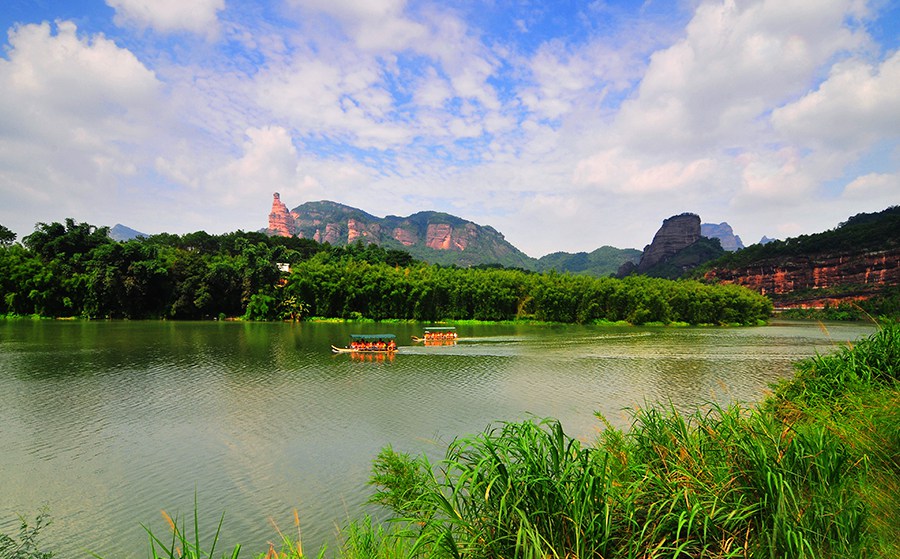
280 218
676 233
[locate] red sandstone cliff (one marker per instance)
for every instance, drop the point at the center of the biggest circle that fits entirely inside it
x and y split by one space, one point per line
444 236
817 279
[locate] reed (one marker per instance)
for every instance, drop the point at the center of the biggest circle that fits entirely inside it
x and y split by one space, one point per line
810 473
181 545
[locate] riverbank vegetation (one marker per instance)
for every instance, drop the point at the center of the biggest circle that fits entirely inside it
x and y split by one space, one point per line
811 471
884 304
76 270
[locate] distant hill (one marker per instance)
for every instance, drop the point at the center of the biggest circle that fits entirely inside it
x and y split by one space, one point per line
678 247
856 260
687 249
683 262
121 233
602 262
724 233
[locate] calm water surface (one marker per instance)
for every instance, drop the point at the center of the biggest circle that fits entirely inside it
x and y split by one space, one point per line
107 423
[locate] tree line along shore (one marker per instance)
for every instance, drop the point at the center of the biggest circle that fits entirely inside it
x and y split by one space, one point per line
76 270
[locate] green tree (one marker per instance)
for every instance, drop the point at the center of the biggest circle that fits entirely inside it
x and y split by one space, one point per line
7 237
66 242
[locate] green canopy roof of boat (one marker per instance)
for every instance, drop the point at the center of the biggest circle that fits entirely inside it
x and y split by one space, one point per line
372 336
439 328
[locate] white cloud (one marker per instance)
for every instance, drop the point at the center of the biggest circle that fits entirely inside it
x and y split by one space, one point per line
269 163
855 107
375 25
615 171
74 112
736 61
167 16
756 112
878 189
73 77
337 99
777 176
432 91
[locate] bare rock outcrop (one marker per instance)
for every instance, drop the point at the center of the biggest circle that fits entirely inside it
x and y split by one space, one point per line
677 233
444 236
280 220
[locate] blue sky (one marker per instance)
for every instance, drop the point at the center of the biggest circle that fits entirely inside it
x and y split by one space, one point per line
564 125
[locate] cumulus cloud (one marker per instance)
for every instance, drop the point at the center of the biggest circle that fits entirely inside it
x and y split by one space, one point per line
884 188
343 99
73 111
269 158
856 106
615 171
167 16
774 176
740 110
736 61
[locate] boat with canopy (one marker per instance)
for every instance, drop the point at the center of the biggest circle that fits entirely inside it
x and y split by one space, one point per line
368 343
437 334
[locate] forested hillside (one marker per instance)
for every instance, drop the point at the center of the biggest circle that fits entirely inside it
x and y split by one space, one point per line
603 261
854 265
76 270
860 233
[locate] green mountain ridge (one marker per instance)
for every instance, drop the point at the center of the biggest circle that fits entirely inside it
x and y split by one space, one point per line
440 238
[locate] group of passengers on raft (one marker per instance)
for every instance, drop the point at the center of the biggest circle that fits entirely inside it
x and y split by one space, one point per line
379 345
440 336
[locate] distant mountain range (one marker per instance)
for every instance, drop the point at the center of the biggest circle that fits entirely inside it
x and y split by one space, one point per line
446 239
604 261
433 237
723 232
440 238
429 236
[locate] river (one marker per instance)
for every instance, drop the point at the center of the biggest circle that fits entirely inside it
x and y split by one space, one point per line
108 423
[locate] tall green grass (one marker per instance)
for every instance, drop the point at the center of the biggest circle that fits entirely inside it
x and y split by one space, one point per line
723 484
810 473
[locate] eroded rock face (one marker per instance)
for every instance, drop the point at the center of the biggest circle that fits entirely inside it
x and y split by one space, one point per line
867 273
359 230
438 236
406 236
280 220
676 233
443 236
420 233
